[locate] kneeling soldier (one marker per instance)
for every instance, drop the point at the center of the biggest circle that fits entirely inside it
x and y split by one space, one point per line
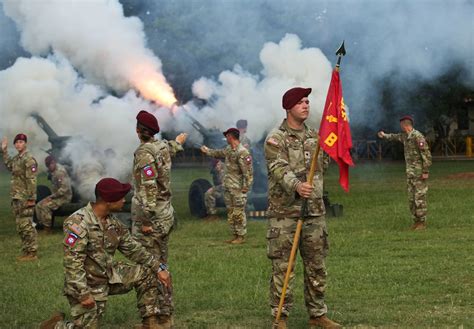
92 235
62 193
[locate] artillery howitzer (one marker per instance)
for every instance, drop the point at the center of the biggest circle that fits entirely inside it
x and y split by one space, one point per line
258 196
213 138
58 144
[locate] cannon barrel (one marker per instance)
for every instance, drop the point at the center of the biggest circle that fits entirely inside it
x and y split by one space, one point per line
57 142
212 137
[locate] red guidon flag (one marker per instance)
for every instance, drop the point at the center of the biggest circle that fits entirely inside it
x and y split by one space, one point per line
334 132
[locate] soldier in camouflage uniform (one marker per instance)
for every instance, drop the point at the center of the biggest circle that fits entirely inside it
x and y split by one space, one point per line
92 236
23 194
62 193
244 140
418 162
238 180
216 191
288 151
152 211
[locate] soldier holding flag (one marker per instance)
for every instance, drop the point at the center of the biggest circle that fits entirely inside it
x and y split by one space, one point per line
288 151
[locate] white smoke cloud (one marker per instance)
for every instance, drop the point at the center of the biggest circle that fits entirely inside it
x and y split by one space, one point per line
240 95
104 45
72 107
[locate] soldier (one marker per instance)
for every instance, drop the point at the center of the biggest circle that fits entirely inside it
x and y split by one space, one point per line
152 211
418 162
244 140
288 151
215 192
62 193
238 180
23 194
92 236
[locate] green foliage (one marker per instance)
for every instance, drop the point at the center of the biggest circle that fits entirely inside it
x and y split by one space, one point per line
380 273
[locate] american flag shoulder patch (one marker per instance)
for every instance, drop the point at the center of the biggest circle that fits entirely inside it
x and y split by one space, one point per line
76 229
272 141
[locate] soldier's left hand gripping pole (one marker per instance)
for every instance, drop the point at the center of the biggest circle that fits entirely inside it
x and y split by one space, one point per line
304 209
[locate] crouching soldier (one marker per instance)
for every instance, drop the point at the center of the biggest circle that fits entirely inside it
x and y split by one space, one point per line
62 193
92 235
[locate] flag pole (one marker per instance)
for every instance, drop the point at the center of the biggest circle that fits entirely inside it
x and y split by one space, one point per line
304 209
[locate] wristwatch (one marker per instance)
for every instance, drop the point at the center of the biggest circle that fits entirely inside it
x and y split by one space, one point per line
162 267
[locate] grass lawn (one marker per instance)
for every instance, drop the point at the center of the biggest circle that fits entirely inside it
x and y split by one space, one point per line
380 273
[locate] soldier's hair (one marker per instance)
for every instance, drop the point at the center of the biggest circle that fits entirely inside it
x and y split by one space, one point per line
145 133
97 195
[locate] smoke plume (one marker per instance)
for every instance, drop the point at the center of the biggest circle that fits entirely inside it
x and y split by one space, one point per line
95 36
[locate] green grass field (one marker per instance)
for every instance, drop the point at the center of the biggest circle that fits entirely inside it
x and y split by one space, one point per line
380 273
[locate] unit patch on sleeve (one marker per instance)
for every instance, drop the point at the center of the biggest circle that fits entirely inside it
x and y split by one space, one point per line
71 239
148 171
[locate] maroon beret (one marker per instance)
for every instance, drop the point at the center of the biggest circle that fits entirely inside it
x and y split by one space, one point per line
20 137
407 117
48 160
233 131
111 190
149 121
293 96
241 124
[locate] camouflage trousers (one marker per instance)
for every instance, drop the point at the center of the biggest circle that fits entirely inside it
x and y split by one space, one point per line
145 282
156 243
235 202
24 226
210 197
44 210
417 190
313 248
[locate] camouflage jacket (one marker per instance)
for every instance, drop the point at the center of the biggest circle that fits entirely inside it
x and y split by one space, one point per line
238 167
218 173
89 248
288 162
61 184
24 169
245 141
417 152
151 173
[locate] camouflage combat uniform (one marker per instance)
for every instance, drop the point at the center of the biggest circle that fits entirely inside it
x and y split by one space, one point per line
23 189
245 141
418 161
62 193
151 203
238 176
216 191
288 153
90 270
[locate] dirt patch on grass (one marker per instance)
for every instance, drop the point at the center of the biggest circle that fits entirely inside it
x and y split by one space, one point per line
462 175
